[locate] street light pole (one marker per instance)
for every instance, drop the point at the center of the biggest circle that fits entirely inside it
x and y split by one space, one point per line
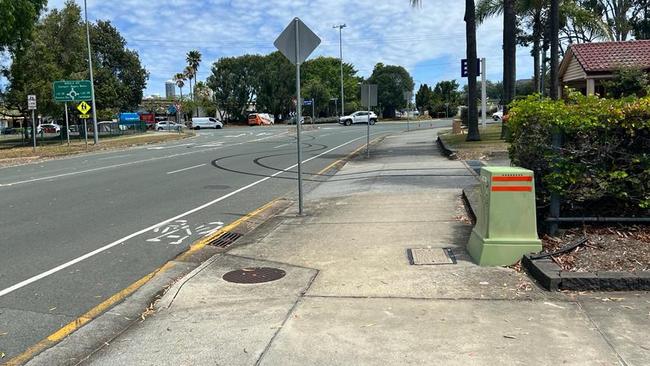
340 27
92 82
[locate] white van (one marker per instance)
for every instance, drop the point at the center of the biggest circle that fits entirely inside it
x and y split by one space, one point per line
205 122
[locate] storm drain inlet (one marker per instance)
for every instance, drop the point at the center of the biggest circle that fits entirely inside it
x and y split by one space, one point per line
254 275
226 239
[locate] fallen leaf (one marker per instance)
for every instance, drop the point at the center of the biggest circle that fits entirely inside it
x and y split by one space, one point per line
3 334
367 325
627 307
2 355
553 305
509 336
54 308
483 283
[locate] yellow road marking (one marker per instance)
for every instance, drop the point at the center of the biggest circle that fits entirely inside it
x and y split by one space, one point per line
69 328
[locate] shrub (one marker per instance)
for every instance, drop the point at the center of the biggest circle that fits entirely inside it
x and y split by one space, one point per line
464 115
603 165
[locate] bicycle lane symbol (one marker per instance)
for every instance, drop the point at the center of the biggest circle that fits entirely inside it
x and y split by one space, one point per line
176 232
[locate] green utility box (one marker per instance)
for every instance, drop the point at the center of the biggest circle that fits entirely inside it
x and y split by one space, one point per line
506 226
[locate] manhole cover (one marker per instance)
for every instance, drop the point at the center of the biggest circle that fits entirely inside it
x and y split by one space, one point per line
254 275
431 256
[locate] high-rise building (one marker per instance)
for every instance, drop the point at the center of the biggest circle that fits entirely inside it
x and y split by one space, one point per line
170 89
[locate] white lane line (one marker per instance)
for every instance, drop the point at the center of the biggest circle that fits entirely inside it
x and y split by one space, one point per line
58 268
279 146
133 162
114 157
184 169
240 135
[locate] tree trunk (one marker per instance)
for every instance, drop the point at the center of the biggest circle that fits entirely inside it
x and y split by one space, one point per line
472 66
555 45
509 57
537 35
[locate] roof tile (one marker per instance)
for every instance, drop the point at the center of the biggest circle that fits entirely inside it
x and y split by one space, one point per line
609 56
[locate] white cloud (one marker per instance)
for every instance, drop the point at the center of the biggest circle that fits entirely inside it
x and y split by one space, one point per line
428 40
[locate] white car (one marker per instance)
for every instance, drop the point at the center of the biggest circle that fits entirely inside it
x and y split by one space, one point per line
497 116
167 126
48 127
358 117
205 122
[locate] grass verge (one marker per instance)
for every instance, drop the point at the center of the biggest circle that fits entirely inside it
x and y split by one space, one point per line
490 144
21 155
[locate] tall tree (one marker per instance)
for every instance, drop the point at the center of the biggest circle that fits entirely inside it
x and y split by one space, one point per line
179 79
193 59
391 82
18 19
509 53
423 98
472 65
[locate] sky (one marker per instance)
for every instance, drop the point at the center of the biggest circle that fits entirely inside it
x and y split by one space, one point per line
428 41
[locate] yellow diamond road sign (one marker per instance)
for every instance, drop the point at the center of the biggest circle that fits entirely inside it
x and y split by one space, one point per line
83 107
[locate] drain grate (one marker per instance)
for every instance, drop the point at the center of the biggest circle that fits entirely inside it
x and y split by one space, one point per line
226 239
254 275
430 256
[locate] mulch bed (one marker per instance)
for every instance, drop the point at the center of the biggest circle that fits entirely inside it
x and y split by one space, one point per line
608 248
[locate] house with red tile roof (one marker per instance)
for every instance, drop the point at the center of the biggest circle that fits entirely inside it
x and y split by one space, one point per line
586 65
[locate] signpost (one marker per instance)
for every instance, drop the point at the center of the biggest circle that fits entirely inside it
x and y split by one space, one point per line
369 99
84 108
71 91
296 43
31 105
311 102
483 95
408 95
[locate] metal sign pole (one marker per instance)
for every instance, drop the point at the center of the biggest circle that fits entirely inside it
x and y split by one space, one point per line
67 129
313 111
34 130
368 135
408 118
86 132
298 115
483 94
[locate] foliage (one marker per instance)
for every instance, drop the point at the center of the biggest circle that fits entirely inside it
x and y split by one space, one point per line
58 52
392 81
627 82
423 98
18 19
235 81
603 166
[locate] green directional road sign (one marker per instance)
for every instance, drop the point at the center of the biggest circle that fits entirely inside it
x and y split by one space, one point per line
71 90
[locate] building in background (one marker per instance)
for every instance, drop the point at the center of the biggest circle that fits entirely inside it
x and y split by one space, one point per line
170 90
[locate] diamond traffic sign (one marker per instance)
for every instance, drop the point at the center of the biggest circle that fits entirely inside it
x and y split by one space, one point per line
71 90
297 34
369 95
83 107
31 102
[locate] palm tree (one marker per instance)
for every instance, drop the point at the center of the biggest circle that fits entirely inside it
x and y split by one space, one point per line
472 65
509 55
555 46
180 82
193 61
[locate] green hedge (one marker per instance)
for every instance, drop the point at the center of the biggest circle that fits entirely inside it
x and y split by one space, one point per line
603 165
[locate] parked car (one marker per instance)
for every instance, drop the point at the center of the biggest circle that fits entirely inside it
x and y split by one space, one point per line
497 116
48 128
167 126
259 119
205 122
358 117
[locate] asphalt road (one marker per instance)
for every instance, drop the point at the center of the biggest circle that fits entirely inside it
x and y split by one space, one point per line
77 230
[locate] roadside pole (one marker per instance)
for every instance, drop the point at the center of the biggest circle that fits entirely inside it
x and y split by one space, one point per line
86 132
296 43
34 130
298 115
368 134
92 81
483 94
313 111
67 129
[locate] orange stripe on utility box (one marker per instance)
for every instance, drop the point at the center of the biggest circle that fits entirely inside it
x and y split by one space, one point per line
512 188
526 178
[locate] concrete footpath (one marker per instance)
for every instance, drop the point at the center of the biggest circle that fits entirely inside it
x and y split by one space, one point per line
351 297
